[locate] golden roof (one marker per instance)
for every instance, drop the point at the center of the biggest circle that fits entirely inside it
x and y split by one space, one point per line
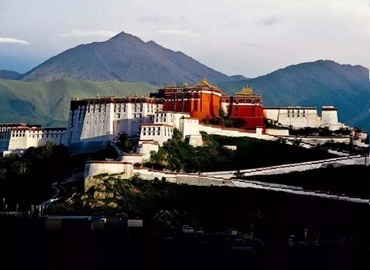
246 91
203 83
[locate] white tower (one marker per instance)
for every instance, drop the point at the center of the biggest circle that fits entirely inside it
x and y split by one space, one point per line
329 117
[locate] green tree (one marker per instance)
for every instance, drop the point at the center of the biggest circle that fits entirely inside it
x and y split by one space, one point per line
3 172
18 167
124 142
28 178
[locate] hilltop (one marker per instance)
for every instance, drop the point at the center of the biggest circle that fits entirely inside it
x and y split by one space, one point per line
9 75
124 57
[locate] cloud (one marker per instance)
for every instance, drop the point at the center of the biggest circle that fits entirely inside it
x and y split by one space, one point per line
246 44
226 1
13 41
88 33
272 20
178 33
154 19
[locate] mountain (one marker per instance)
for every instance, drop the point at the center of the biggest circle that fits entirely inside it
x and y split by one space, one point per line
236 78
124 57
318 83
308 84
47 103
9 74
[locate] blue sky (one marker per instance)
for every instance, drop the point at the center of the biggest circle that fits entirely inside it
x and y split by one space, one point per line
248 37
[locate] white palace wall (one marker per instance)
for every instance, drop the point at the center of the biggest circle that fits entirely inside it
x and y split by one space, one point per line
124 169
94 122
298 117
129 117
301 117
156 132
16 138
189 126
145 148
97 124
329 118
234 132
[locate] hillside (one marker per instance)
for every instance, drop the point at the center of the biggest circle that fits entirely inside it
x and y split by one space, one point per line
47 103
178 155
50 163
316 84
124 57
9 75
336 180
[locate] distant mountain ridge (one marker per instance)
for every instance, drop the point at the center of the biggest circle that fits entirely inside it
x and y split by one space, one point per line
9 75
124 57
48 103
309 84
319 83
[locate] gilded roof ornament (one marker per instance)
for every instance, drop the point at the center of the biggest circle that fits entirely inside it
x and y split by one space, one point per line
204 82
246 91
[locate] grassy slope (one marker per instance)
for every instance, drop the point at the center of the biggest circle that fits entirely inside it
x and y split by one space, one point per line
212 156
47 103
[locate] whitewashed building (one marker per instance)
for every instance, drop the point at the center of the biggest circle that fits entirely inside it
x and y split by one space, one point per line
16 138
164 124
94 122
155 134
301 117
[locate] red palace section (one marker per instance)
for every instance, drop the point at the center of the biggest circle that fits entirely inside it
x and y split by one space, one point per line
205 101
246 105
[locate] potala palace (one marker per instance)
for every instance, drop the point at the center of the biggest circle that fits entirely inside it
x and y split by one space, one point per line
95 122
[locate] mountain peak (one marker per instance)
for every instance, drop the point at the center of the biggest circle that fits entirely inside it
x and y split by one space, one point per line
151 42
121 34
124 36
124 57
